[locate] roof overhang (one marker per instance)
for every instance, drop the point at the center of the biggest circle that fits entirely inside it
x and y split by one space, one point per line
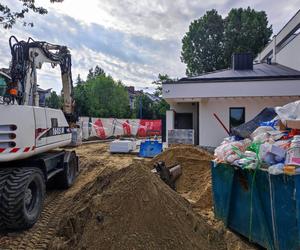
195 91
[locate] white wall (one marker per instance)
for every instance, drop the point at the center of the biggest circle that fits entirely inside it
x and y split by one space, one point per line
289 55
211 132
170 115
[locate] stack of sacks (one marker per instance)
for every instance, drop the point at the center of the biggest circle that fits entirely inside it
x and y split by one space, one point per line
269 147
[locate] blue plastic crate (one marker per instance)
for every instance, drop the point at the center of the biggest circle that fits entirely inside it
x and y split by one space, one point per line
149 149
264 208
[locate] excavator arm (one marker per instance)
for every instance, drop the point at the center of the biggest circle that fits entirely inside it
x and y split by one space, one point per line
27 57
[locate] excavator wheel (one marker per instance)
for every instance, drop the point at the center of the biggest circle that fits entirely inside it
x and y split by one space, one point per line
67 177
22 193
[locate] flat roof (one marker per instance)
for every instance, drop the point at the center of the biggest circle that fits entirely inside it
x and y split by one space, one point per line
260 72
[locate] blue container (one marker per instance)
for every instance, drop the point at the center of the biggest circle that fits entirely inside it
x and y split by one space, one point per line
150 149
264 208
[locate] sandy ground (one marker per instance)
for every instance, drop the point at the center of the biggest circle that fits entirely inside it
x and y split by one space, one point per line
95 160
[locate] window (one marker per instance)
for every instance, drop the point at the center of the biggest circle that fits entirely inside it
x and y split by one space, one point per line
236 117
2 86
54 123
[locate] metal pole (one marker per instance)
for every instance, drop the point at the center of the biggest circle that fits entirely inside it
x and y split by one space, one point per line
141 108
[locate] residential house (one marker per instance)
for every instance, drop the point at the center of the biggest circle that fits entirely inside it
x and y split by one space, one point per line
238 94
43 95
133 94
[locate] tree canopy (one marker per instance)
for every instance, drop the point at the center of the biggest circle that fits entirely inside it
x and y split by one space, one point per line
158 83
8 16
211 40
93 73
202 46
54 101
246 30
102 96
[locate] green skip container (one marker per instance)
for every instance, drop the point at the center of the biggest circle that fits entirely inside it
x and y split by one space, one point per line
264 208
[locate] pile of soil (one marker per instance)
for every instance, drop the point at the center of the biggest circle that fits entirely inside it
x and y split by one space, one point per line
133 209
195 182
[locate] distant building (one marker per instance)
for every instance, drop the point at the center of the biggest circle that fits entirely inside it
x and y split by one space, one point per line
43 95
153 98
133 94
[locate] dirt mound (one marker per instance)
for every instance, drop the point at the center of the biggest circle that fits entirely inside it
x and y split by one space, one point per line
195 182
133 209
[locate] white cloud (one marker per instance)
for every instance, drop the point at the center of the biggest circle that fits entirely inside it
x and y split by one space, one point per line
132 40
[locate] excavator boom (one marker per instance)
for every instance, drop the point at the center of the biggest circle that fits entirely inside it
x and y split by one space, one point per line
27 56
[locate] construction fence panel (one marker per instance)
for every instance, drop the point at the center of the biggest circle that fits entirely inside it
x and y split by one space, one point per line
104 128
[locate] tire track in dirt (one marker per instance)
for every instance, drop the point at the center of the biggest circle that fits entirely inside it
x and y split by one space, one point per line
95 159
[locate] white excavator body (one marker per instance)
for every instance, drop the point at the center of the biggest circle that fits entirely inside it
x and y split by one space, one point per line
28 130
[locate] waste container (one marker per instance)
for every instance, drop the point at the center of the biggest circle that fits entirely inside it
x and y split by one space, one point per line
264 208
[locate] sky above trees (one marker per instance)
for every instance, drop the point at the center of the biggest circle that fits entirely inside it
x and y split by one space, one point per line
132 40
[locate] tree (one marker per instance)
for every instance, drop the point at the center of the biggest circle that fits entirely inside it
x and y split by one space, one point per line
81 99
54 101
101 96
211 41
90 74
246 30
160 109
143 102
8 17
158 83
202 46
79 80
98 71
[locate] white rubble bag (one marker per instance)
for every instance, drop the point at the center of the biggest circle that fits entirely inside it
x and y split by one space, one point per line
290 111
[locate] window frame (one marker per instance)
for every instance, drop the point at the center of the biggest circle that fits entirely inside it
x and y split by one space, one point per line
54 123
244 116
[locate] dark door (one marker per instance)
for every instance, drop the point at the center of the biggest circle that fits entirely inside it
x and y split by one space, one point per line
184 121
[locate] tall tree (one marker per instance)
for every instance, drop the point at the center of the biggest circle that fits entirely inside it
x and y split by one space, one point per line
246 30
78 79
210 41
8 16
90 74
98 71
202 46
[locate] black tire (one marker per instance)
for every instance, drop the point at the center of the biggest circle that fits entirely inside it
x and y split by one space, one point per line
67 177
22 193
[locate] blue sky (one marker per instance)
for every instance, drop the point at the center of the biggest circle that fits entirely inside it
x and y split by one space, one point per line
132 40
